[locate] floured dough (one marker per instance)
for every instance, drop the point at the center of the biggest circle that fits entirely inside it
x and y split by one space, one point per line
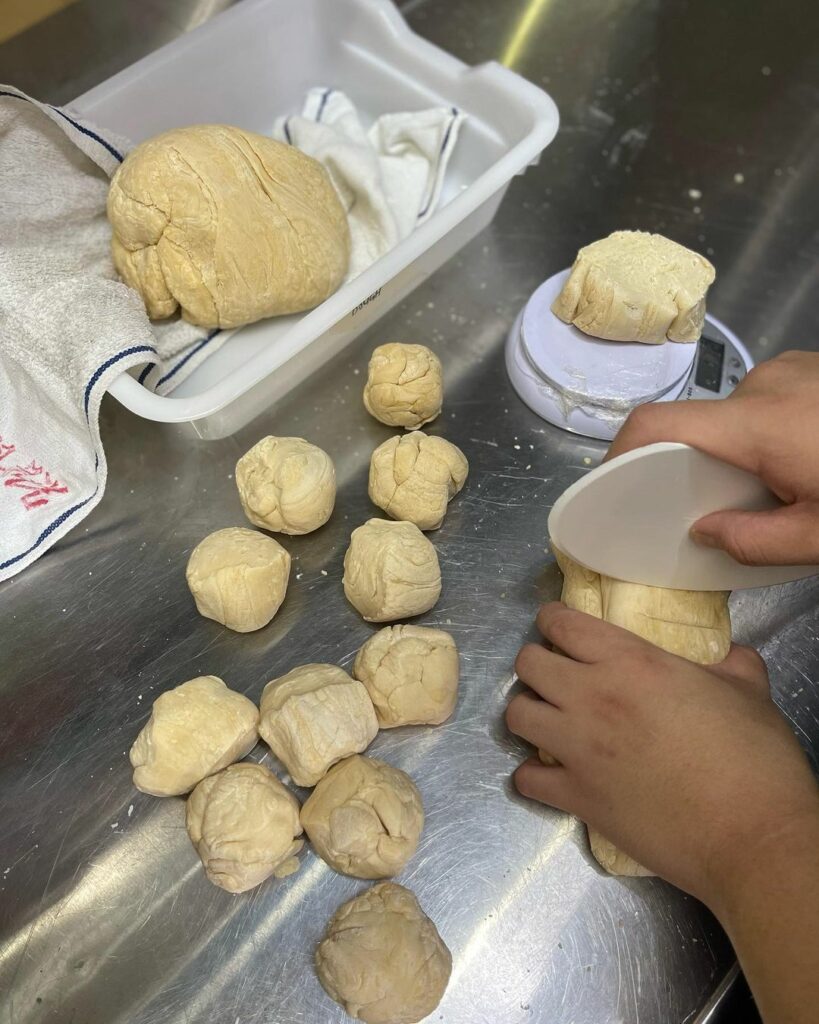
314 716
245 827
364 818
238 577
411 675
391 571
414 477
404 385
635 286
194 730
693 624
286 485
226 224
382 958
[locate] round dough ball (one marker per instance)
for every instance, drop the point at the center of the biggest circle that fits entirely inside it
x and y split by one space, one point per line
404 386
286 485
238 577
391 571
414 477
244 825
411 675
382 958
196 729
228 225
364 818
314 716
635 286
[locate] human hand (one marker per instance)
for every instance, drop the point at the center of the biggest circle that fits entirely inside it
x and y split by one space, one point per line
768 426
690 770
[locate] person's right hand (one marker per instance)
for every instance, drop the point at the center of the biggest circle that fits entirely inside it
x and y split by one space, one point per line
770 427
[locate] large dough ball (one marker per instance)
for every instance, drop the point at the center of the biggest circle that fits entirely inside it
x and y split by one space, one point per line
414 477
382 958
364 818
194 730
314 716
228 225
244 825
693 624
411 675
634 286
238 577
404 385
286 485
391 571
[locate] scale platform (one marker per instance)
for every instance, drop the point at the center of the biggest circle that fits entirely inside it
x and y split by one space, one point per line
589 386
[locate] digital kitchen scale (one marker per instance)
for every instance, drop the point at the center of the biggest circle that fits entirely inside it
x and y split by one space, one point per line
589 386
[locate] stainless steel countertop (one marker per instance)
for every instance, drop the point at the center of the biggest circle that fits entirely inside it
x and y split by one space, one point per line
696 119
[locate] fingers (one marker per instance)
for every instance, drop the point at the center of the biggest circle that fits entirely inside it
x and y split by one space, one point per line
582 637
550 785
782 536
544 672
534 720
744 663
718 428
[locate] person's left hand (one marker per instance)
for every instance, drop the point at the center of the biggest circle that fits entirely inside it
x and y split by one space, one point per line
689 769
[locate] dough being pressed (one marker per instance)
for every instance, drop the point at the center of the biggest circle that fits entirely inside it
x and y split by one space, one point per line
238 577
693 624
404 385
286 485
414 477
411 675
226 224
245 827
635 286
314 716
391 571
364 818
382 958
194 730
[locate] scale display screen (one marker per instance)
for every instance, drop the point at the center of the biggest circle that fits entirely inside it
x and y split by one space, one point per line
710 360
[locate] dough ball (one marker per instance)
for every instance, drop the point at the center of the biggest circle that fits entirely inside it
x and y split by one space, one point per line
692 624
414 477
194 730
635 286
314 716
411 675
391 571
228 225
245 827
238 577
286 485
364 818
404 385
382 958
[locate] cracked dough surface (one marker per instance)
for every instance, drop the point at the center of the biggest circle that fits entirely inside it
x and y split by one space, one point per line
286 485
238 577
245 827
635 286
414 477
391 571
364 818
314 716
382 958
226 224
692 624
411 675
194 730
404 385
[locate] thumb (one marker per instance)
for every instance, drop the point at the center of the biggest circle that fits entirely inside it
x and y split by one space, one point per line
781 536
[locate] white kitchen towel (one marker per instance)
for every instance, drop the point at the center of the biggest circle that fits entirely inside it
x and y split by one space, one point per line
68 326
389 177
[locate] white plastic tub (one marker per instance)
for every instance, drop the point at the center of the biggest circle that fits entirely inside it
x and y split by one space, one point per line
256 61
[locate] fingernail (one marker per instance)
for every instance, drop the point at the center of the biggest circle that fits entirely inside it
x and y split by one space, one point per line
706 540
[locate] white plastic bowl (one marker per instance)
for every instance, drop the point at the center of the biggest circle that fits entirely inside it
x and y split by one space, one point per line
255 62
